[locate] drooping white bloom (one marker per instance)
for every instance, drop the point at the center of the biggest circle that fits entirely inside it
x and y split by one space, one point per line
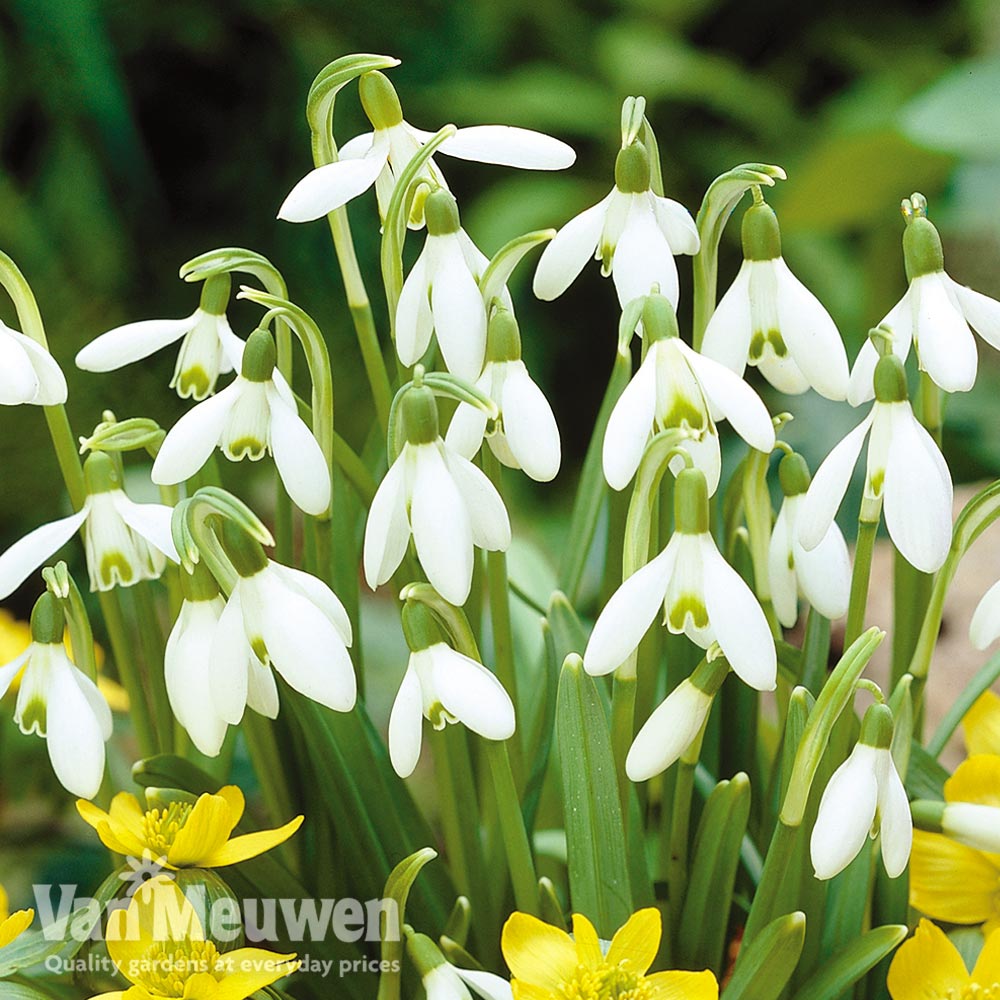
254 415
281 618
906 473
58 702
28 373
676 386
676 723
125 542
379 157
985 625
525 435
701 594
440 499
972 823
823 574
447 982
633 232
769 318
442 686
935 315
864 797
441 295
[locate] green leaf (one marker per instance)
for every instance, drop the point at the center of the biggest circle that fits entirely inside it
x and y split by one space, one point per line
598 873
397 888
767 963
837 975
925 777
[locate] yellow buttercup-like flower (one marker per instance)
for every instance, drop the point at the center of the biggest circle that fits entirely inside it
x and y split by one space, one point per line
183 835
547 964
159 945
948 880
12 925
981 725
929 967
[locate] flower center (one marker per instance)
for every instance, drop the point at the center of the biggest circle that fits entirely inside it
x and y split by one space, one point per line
161 826
974 991
605 982
166 968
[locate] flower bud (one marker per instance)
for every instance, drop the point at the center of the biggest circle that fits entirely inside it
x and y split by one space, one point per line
793 473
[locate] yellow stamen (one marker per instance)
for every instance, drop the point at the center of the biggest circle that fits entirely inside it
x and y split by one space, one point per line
161 826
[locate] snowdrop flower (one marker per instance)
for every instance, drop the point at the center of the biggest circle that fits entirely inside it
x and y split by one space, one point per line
442 686
676 723
864 797
281 618
701 594
208 345
633 232
253 415
441 294
125 542
379 157
823 574
187 665
440 498
443 981
935 315
28 373
905 471
769 318
676 386
60 703
525 435
985 625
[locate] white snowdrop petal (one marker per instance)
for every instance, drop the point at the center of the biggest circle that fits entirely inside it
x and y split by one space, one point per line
896 823
51 383
441 529
320 594
628 614
740 405
357 147
298 456
945 345
74 735
132 342
846 812
262 689
10 670
508 146
677 226
18 379
985 625
387 532
459 313
230 658
643 259
982 312
824 574
472 694
194 437
329 187
727 336
414 320
98 704
466 430
811 336
27 554
529 425
918 494
706 455
738 621
783 373
828 486
405 725
565 256
781 570
483 504
668 732
486 984
630 425
899 320
149 520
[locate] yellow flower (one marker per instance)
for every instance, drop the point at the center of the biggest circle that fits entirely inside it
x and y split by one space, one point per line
929 967
950 881
159 945
12 925
982 725
183 835
547 964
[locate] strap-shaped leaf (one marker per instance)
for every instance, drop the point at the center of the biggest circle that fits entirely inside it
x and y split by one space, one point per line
837 975
766 964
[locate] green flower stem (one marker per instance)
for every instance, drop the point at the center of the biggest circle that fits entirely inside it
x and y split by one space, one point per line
680 825
863 551
773 880
920 664
512 829
622 732
354 469
324 151
151 642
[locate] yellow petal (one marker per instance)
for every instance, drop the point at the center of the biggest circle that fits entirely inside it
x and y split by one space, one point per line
683 986
951 882
247 970
977 780
982 725
525 991
250 845
201 986
114 694
588 944
14 926
236 802
635 945
928 965
206 829
4 903
117 995
538 953
987 970
101 822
